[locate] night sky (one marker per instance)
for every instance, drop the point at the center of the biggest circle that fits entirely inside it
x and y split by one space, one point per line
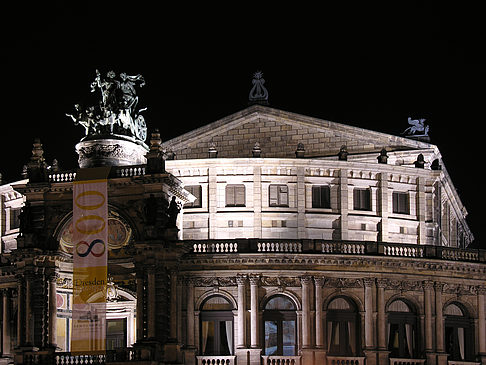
362 65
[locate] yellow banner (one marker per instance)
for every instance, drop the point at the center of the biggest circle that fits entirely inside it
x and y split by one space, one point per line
90 261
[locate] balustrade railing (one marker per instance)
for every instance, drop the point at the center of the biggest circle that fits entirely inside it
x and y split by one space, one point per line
402 250
272 246
452 362
397 361
345 360
337 248
216 360
281 360
216 247
340 247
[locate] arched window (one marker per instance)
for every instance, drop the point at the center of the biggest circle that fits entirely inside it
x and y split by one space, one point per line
280 328
216 327
402 330
459 340
342 327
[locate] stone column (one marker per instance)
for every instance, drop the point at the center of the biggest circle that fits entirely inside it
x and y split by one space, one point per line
173 305
482 323
254 280
151 303
257 202
190 313
383 207
52 310
343 202
241 282
140 304
381 283
421 210
6 323
370 351
28 309
306 325
439 326
383 353
368 296
301 230
212 201
319 282
20 311
428 287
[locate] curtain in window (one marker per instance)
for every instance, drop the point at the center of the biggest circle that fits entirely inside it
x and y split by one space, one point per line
329 335
229 335
408 334
352 337
460 338
204 330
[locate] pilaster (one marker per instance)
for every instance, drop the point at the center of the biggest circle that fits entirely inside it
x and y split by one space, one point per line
343 202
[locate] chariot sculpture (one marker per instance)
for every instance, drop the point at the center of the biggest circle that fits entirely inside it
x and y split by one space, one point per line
117 112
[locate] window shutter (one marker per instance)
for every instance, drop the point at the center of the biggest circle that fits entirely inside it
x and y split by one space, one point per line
356 199
316 197
197 193
325 197
240 195
230 195
273 195
284 195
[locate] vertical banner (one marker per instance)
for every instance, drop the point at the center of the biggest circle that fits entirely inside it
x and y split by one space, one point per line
90 259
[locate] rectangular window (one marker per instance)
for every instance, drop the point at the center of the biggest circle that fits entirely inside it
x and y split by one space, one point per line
14 218
401 203
321 196
278 196
196 191
235 195
362 199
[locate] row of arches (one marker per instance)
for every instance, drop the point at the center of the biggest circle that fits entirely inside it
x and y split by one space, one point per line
343 327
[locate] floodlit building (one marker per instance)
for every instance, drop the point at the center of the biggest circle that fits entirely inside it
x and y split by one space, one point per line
300 241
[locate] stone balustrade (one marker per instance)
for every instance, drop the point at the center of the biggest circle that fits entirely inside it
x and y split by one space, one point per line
345 360
236 246
281 360
397 361
216 360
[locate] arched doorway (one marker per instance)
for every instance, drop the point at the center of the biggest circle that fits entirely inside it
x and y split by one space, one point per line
280 326
216 327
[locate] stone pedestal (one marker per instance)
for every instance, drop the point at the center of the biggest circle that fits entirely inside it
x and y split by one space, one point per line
255 356
110 152
371 358
307 357
383 357
189 355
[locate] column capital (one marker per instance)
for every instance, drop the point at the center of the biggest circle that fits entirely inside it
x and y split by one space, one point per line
254 279
306 280
428 285
368 282
319 281
381 283
241 279
438 287
481 290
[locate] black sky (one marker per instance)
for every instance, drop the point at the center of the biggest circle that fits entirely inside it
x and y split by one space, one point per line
363 65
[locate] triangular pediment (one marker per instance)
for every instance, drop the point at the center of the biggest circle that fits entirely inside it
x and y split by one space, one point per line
278 134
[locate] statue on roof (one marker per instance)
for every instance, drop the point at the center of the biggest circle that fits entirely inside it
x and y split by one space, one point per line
417 128
258 93
116 113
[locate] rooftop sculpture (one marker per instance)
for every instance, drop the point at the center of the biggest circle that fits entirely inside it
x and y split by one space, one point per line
116 113
258 93
417 128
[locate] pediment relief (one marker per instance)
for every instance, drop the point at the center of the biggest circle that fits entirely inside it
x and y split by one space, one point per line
280 134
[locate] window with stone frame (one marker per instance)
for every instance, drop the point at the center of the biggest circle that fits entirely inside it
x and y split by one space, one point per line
362 199
196 191
321 196
342 328
402 330
459 334
15 218
400 202
280 327
216 327
278 196
235 195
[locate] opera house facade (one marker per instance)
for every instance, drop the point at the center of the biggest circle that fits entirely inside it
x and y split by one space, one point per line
298 241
